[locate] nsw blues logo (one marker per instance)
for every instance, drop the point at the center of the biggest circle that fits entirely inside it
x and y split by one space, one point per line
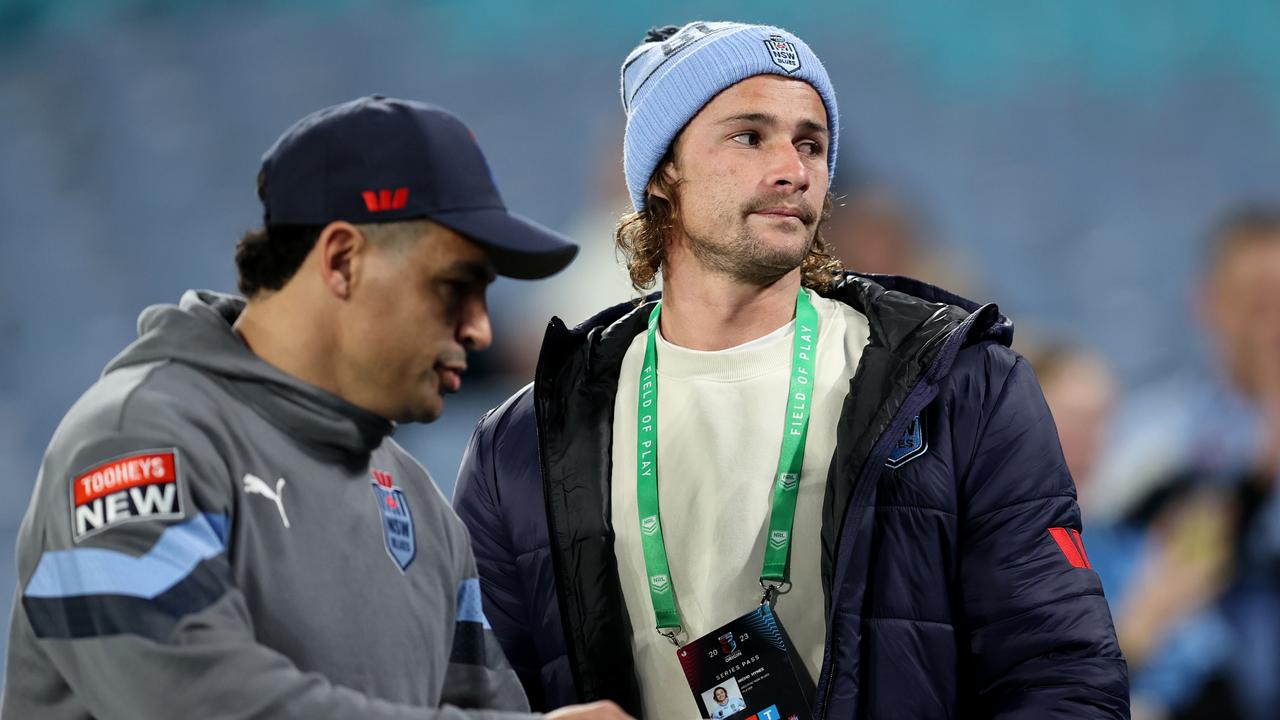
910 446
397 521
783 53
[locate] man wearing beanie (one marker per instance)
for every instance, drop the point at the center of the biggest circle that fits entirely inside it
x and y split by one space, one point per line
835 495
223 527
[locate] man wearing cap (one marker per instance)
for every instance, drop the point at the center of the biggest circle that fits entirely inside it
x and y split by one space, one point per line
900 536
222 526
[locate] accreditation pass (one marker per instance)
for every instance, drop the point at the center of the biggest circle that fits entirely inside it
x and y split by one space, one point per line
747 670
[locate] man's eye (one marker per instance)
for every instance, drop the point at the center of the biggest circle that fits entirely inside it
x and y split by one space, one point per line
810 147
747 138
455 290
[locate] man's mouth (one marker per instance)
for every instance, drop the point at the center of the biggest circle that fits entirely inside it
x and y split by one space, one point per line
785 212
451 377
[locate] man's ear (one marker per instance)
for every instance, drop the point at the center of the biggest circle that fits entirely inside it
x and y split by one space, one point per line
340 250
670 174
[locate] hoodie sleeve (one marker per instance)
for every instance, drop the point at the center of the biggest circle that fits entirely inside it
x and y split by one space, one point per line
127 602
1040 636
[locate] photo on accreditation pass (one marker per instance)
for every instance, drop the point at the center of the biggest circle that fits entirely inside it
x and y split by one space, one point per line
724 700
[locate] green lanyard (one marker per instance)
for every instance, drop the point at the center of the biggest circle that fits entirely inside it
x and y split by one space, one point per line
777 552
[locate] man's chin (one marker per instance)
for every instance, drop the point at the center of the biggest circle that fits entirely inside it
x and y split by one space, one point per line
781 255
757 255
783 240
428 411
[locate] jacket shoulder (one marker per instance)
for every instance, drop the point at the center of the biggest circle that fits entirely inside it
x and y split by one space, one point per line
516 414
1000 422
987 361
501 459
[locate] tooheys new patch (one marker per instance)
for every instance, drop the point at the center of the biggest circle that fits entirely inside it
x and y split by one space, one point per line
139 486
747 670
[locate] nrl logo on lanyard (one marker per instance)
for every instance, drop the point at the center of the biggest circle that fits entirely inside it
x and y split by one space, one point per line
778 539
660 583
397 521
649 525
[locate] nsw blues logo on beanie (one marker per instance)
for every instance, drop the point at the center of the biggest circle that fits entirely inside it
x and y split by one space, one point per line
669 77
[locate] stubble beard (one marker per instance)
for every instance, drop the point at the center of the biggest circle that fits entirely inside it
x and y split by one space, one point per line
747 259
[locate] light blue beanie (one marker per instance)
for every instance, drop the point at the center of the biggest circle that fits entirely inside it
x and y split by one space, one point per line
666 82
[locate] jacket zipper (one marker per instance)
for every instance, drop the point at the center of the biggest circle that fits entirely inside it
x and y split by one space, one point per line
880 451
570 646
911 406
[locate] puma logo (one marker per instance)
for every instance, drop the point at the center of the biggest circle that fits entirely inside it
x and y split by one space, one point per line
254 485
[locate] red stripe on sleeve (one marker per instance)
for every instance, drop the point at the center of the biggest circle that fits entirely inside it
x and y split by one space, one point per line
1080 544
1068 547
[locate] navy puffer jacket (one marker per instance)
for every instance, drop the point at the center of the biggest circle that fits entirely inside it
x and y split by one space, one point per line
956 584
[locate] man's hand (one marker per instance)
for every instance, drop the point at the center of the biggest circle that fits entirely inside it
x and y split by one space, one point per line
603 710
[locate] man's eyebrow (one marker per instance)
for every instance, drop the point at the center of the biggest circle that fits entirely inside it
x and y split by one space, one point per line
814 126
773 121
472 271
755 117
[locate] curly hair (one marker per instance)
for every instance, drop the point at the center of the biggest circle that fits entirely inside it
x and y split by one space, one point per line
641 238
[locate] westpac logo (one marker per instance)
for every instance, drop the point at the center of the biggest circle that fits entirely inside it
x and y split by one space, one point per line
660 584
788 481
777 539
385 199
649 525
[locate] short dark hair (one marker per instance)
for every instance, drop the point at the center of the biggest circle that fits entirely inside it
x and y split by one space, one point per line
267 257
1242 226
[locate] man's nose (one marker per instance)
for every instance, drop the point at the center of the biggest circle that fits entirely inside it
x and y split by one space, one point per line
475 332
787 169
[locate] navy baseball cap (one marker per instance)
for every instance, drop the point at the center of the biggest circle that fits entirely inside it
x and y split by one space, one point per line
379 159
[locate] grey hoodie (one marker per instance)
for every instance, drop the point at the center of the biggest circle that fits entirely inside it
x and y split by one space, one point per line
210 537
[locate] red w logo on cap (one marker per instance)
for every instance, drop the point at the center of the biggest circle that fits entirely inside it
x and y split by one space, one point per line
380 200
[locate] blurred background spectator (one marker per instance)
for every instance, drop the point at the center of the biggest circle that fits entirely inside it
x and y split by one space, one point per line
1163 569
1195 464
1062 159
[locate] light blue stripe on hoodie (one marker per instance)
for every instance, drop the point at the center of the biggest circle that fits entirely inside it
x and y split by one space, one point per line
470 607
98 571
